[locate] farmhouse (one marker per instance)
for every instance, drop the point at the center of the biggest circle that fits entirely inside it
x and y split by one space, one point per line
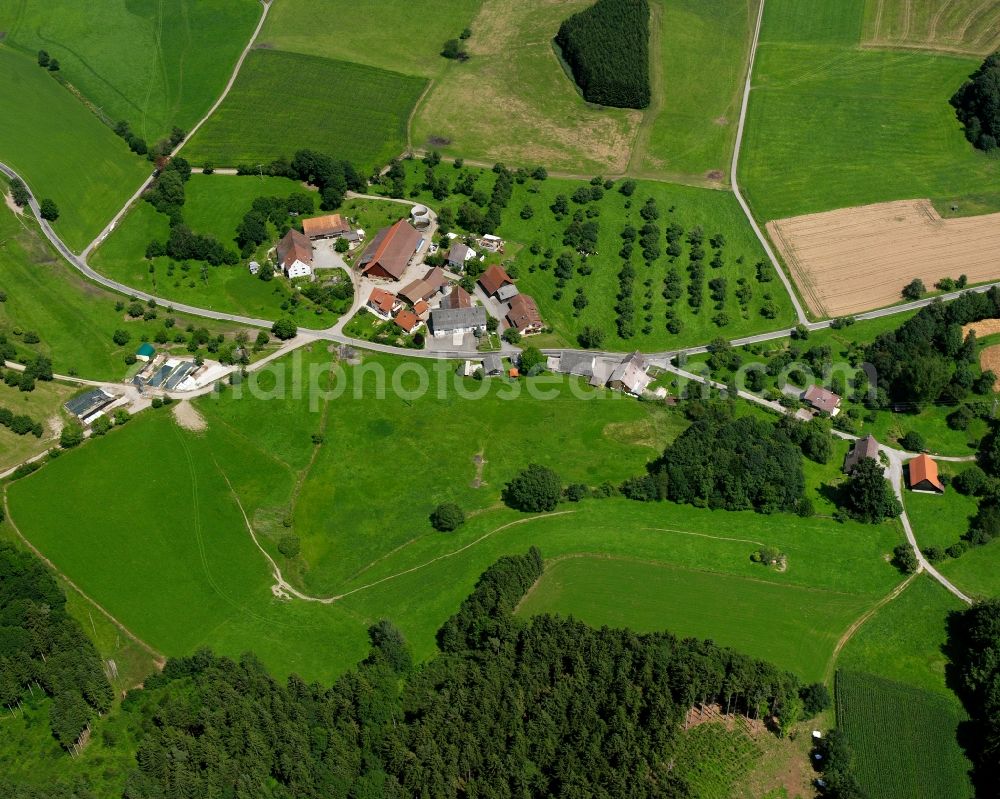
446 321
494 279
295 254
866 447
630 375
390 251
456 298
331 226
426 287
523 315
924 476
145 352
459 254
383 303
822 400
407 320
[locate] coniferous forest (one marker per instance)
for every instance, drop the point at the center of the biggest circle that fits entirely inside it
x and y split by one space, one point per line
510 707
607 48
42 649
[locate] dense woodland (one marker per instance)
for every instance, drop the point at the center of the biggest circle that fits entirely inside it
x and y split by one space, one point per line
926 359
44 651
607 48
511 707
723 462
977 105
974 649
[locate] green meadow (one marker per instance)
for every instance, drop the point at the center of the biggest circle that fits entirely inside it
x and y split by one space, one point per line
147 542
283 102
797 634
214 205
62 150
832 125
388 34
74 318
179 53
700 52
905 639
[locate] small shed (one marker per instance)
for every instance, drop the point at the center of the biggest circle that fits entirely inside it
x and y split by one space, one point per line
254 267
145 352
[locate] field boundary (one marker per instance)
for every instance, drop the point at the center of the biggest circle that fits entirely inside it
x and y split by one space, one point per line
158 657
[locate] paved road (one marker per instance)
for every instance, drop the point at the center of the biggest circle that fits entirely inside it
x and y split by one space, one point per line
895 477
734 175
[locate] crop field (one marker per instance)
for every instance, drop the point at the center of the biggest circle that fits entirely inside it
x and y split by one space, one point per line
63 151
690 207
364 31
905 639
214 205
699 52
960 26
859 259
74 318
349 111
179 53
831 125
798 633
368 539
904 739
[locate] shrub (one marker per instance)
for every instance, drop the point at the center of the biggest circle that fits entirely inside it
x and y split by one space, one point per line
957 549
71 436
912 442
285 328
49 210
607 49
976 104
576 491
534 490
971 481
904 559
289 545
447 517
914 290
815 698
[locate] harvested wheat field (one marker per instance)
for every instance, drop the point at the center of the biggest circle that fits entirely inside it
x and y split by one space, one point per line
859 259
989 358
982 328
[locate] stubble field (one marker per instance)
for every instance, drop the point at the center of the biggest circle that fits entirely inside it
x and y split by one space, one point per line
859 259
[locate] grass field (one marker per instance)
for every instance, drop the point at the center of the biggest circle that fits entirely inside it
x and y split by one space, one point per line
179 53
44 405
365 31
63 151
832 125
957 25
214 205
904 640
346 110
74 318
798 633
714 211
367 537
513 101
904 738
945 521
688 133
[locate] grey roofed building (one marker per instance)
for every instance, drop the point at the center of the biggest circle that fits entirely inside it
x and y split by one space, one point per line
504 293
458 254
178 375
89 403
157 380
630 375
866 447
492 365
452 320
574 362
601 372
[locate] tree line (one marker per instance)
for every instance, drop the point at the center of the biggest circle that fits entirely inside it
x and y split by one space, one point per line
607 49
537 707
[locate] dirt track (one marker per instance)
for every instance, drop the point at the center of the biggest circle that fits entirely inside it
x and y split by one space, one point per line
859 259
